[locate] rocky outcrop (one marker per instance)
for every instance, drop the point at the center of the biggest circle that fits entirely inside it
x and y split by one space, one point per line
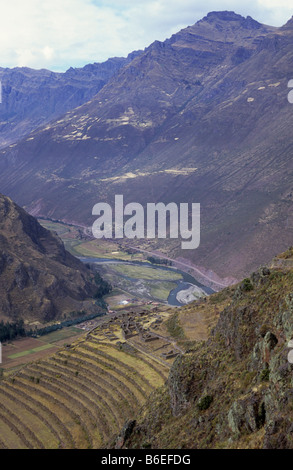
247 415
125 434
21 276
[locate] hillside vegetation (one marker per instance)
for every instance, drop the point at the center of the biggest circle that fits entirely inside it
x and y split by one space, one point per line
235 389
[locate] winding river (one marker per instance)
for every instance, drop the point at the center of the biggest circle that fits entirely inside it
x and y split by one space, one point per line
185 283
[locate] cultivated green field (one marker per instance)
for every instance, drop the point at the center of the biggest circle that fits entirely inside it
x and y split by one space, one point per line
145 272
60 335
19 352
30 351
162 290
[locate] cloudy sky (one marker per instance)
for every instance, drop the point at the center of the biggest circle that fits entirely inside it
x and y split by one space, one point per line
57 34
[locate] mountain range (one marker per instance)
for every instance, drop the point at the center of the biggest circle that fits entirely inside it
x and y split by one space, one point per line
201 117
31 98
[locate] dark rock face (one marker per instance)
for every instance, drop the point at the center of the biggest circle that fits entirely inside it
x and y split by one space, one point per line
230 16
247 415
21 276
39 279
125 433
5 259
260 277
185 383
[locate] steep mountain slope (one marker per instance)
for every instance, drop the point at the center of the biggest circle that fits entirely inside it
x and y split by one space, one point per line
202 117
31 98
39 279
234 390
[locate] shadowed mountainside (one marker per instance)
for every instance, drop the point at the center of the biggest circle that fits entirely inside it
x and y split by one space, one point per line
39 279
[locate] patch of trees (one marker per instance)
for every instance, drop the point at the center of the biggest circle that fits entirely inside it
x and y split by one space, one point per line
205 402
58 326
9 331
129 251
246 285
103 287
101 303
154 260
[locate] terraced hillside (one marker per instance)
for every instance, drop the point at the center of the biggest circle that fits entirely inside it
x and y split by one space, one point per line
81 396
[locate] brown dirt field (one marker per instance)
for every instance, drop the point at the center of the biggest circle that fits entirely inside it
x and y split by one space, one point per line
69 340
21 345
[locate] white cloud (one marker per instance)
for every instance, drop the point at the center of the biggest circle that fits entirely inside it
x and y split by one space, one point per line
48 52
59 34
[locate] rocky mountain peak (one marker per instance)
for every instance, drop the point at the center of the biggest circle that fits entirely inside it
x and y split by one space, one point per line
223 16
230 16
